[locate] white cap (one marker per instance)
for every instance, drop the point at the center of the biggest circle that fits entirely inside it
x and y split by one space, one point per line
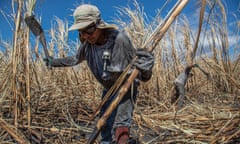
85 15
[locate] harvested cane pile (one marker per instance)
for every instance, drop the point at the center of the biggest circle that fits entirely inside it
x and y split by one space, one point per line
195 123
41 105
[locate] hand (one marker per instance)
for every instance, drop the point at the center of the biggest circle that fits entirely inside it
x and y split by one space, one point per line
48 61
144 61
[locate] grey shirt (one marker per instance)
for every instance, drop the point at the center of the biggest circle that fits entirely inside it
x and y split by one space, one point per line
122 52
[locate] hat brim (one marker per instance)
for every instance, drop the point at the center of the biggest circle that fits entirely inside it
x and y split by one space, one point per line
104 25
101 25
80 26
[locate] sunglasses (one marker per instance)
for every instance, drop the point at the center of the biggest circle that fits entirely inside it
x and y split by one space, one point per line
89 30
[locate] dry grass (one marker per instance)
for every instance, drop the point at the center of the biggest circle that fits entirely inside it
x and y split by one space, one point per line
39 105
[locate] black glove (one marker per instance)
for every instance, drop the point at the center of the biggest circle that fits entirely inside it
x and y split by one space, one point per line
48 61
144 63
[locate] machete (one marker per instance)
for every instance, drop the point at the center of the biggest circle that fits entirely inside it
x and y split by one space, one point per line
37 30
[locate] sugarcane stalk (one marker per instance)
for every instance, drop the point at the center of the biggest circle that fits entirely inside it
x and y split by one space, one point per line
27 72
199 28
15 61
160 33
27 68
111 91
19 137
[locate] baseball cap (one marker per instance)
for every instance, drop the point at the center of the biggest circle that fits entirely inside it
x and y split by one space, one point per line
85 15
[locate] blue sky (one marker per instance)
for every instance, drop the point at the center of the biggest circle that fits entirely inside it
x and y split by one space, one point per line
49 9
63 9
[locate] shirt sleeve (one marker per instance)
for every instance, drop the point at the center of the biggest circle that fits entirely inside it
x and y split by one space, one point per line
70 60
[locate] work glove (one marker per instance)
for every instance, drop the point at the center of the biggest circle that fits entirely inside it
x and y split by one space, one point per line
144 63
48 61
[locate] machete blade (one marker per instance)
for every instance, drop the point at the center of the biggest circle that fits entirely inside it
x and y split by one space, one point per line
34 26
37 30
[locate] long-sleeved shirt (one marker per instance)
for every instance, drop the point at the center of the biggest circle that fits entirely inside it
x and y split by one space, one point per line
120 48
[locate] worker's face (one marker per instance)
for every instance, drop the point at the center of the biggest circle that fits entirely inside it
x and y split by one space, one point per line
91 34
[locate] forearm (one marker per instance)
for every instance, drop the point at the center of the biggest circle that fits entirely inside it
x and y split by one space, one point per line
65 62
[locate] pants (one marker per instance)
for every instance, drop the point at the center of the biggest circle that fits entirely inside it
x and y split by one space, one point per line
180 94
121 116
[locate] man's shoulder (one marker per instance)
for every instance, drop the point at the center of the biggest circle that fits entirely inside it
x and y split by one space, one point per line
122 35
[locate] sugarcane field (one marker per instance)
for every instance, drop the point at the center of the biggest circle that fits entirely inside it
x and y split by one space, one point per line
192 97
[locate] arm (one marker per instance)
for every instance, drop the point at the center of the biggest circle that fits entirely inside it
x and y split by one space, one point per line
67 61
182 77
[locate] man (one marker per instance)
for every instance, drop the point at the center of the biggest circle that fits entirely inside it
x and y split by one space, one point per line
179 84
107 52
